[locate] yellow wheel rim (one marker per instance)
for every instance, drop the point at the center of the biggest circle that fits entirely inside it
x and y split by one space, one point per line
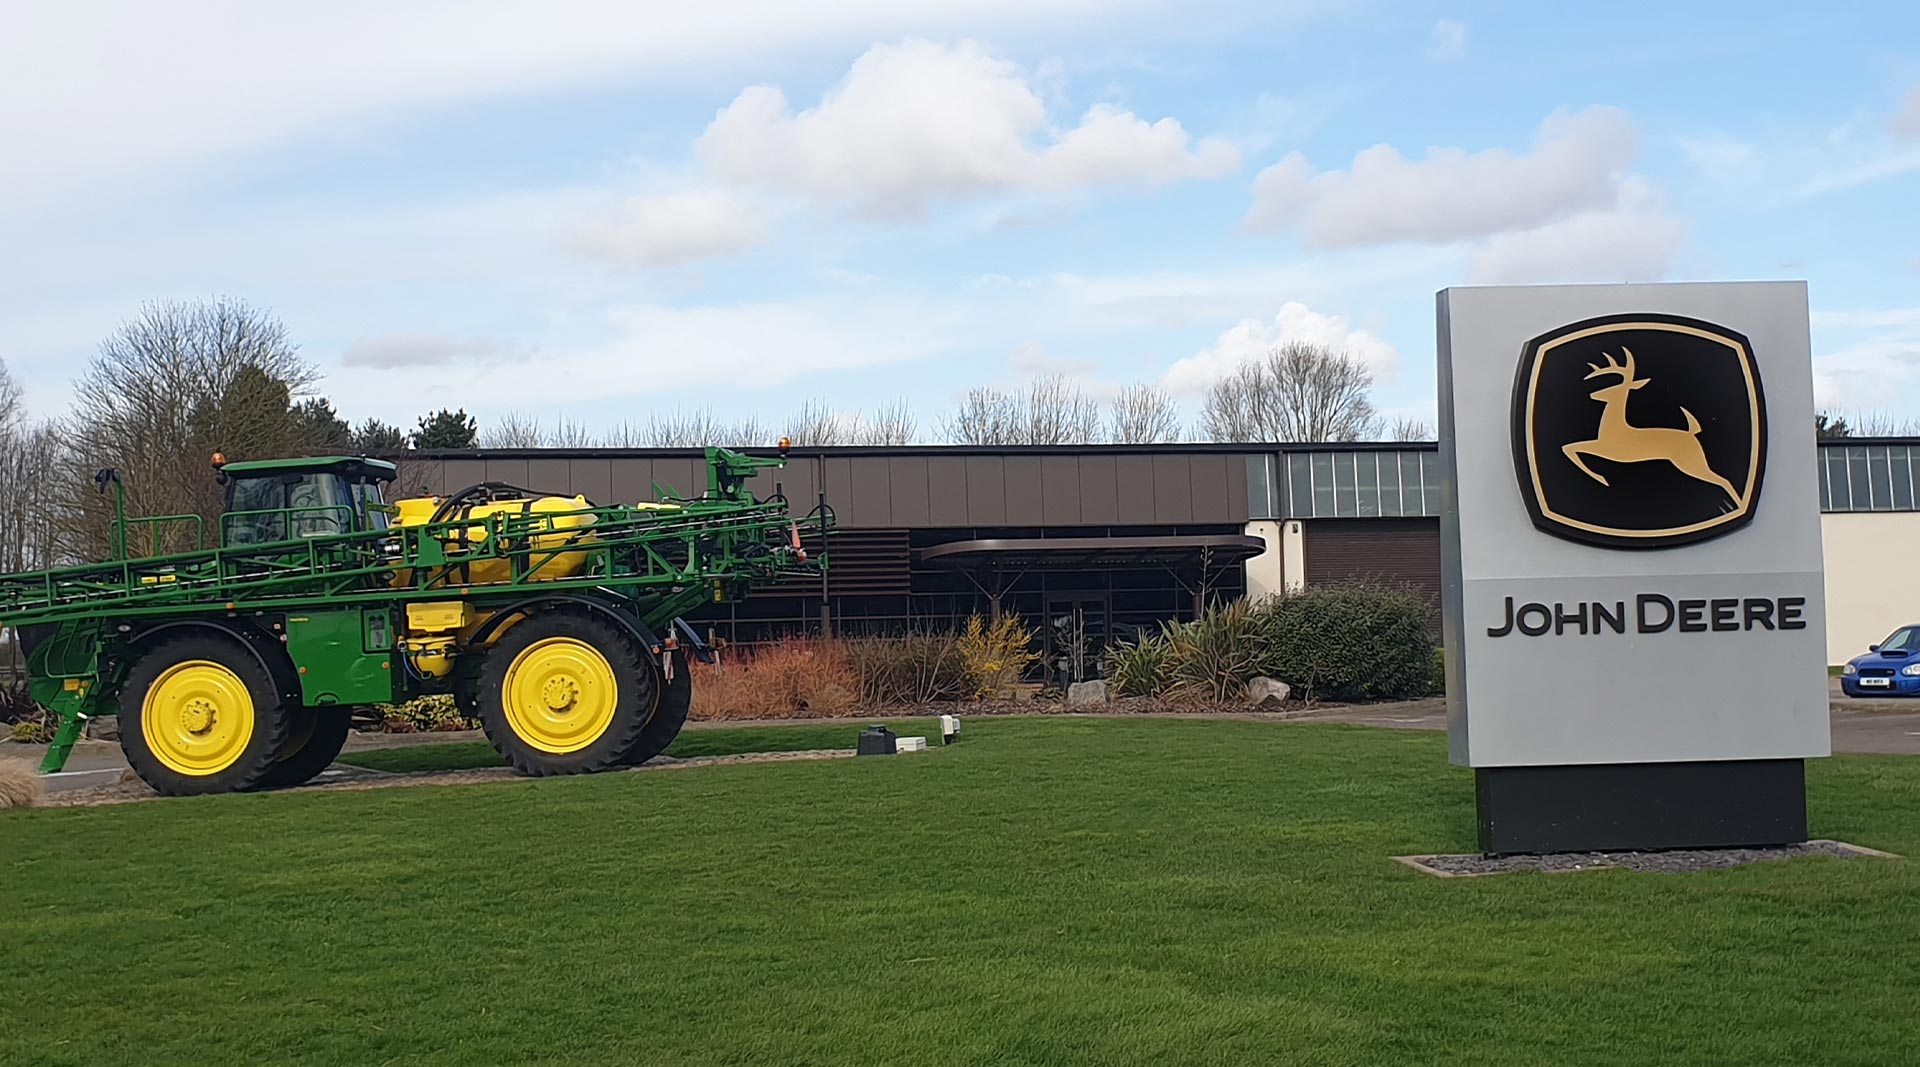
197 718
560 695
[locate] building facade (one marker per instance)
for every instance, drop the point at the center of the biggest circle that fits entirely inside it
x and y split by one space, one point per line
1096 542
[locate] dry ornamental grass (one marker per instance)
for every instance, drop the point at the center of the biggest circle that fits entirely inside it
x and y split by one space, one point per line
19 785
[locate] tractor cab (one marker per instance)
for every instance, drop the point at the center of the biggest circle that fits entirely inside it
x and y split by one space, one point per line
272 500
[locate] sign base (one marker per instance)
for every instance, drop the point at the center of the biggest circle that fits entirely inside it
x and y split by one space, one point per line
1618 807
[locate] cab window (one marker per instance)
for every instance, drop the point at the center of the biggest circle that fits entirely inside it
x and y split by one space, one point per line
1902 640
259 494
372 508
288 506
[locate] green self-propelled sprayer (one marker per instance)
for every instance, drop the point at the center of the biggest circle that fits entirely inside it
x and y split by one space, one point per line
555 621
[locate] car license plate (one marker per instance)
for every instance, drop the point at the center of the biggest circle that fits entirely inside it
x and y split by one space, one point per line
1876 683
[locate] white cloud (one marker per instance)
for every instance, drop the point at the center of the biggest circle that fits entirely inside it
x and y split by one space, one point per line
418 350
1449 40
1906 118
645 349
1720 156
1878 364
1577 163
917 122
667 229
97 89
1634 241
1251 338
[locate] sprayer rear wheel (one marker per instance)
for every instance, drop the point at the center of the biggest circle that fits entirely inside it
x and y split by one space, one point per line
316 738
565 693
676 697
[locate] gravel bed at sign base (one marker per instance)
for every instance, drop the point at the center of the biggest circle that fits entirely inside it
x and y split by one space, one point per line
1671 861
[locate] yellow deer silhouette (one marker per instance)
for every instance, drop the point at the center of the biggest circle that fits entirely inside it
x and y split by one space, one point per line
1623 442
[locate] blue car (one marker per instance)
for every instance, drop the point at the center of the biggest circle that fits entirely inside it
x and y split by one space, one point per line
1890 668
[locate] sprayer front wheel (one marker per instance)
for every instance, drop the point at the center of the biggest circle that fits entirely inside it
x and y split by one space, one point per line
199 714
565 693
676 698
313 743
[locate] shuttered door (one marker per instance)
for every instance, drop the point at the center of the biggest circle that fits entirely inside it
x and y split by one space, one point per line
1395 550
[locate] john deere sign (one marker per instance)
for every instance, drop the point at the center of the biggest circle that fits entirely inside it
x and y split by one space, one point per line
1635 638
1691 471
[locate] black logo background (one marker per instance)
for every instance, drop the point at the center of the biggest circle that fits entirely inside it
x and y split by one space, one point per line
1682 371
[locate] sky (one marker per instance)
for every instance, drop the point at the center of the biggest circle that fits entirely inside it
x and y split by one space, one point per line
600 210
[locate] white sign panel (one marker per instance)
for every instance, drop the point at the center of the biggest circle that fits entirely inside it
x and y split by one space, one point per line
1631 533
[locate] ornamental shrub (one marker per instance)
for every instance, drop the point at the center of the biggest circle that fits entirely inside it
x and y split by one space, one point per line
1213 657
1349 641
919 667
995 654
1139 668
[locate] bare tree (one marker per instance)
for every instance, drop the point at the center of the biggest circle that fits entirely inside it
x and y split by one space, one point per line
570 433
1142 415
693 429
1058 413
1878 424
1408 428
1053 411
1295 392
35 471
890 424
987 416
513 430
169 388
818 424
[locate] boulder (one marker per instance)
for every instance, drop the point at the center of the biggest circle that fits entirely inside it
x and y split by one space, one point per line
1268 693
1083 693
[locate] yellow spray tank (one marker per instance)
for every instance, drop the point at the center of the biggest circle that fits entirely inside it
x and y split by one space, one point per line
565 520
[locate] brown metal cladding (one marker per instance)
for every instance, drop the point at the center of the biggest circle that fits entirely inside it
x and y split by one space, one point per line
1099 490
1025 503
1211 501
1133 476
461 473
593 479
631 480
915 490
510 471
1172 489
551 476
986 491
687 477
1060 491
907 476
837 475
1396 550
872 491
947 490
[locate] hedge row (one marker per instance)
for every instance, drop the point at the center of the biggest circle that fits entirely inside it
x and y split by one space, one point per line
1343 642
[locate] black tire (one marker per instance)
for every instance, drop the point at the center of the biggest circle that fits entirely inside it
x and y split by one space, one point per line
271 717
634 681
676 698
315 741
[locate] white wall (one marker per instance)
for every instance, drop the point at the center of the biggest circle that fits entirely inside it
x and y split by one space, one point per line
1283 565
1265 573
1873 577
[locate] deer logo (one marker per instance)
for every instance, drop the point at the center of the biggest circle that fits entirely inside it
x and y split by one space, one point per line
1623 442
1648 468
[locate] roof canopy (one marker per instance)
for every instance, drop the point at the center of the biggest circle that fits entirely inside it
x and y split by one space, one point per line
351 466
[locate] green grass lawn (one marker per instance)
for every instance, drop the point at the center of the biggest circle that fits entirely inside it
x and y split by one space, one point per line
706 741
1048 891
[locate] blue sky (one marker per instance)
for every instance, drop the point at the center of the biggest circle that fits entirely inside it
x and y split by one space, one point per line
602 210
